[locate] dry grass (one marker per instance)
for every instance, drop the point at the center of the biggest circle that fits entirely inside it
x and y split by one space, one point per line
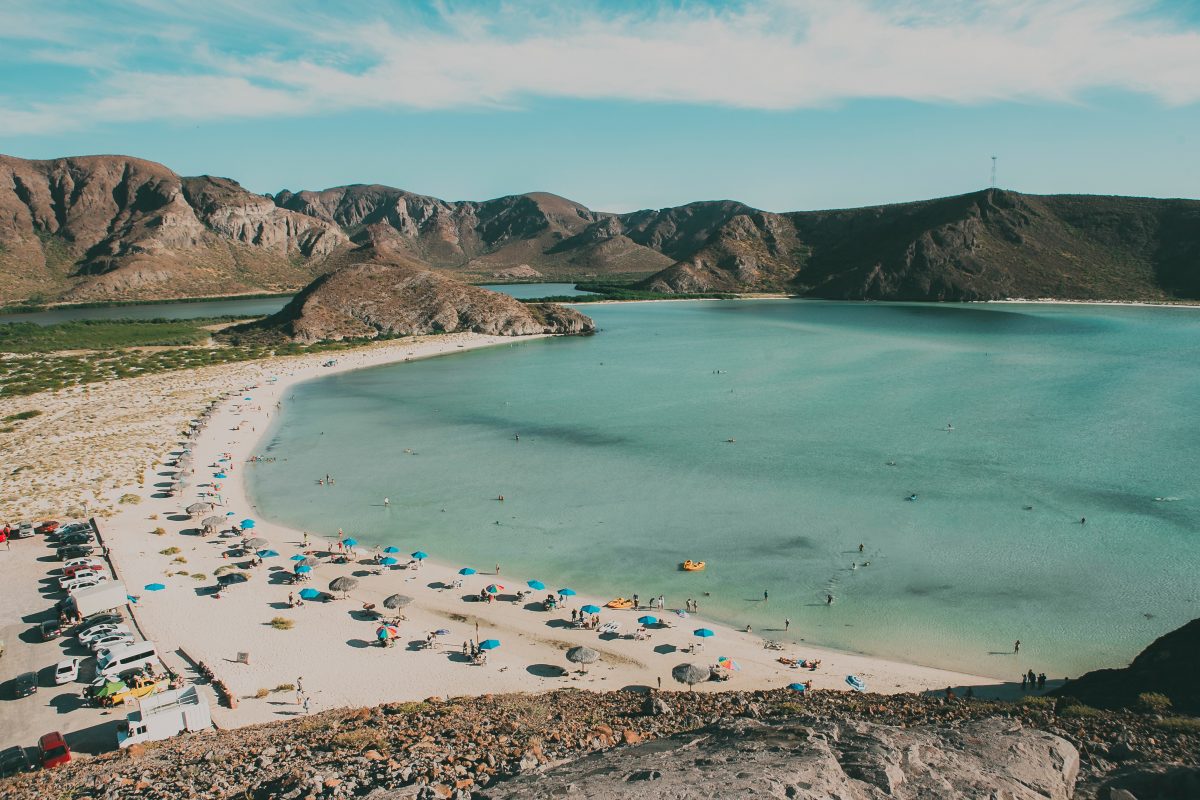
282 623
170 551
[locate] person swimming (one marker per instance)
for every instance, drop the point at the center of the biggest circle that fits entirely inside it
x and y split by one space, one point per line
911 497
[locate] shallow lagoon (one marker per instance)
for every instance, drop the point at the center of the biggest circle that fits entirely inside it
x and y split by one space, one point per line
623 469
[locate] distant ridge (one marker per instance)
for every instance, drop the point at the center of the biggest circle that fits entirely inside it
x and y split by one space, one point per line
115 227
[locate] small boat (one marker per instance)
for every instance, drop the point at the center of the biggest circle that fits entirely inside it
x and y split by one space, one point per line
620 602
694 566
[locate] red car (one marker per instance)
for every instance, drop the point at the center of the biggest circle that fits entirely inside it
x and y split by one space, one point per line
49 526
54 751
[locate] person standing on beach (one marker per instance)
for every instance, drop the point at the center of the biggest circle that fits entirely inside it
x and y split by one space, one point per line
766 596
687 605
860 548
787 623
1016 646
636 603
299 690
828 599
306 705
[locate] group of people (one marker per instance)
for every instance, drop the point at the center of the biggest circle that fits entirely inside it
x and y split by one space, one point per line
1031 681
477 654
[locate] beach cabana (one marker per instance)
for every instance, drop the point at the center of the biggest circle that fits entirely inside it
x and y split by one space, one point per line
343 584
396 601
582 656
691 674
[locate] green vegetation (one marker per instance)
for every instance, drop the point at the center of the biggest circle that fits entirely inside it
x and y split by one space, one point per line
615 291
1181 724
1154 702
1037 701
22 415
170 551
130 499
39 303
1073 708
103 334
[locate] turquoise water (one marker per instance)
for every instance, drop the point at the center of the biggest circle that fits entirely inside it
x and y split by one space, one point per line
623 470
526 291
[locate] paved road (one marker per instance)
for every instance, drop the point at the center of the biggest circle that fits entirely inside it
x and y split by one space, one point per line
28 592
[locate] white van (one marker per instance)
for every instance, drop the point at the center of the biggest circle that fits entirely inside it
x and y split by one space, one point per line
110 662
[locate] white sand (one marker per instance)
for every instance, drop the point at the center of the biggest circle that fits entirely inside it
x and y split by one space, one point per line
334 651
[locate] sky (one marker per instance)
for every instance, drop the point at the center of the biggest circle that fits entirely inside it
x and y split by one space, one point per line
620 105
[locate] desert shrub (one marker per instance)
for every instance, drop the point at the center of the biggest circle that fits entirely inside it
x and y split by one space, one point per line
1075 709
179 560
1037 701
285 687
170 551
130 499
360 739
282 623
1181 724
159 531
261 693
1154 702
200 576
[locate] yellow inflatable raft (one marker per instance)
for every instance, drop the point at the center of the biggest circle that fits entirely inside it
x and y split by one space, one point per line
693 566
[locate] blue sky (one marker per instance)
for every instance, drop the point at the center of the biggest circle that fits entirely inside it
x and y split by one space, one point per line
783 104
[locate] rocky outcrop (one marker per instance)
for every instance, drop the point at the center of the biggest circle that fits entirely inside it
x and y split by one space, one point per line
854 761
1166 667
396 299
521 272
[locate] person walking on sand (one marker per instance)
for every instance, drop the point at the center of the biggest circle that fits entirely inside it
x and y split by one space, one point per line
787 623
306 705
766 596
299 690
1016 646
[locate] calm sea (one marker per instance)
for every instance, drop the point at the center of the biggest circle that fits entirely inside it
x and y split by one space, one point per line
772 438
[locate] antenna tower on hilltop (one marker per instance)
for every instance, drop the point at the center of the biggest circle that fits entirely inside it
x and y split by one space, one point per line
993 172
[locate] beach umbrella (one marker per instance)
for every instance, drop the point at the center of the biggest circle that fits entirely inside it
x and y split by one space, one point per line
391 549
466 571
493 588
582 655
197 508
691 674
154 587
308 561
349 541
856 683
725 662
310 594
303 569
267 554
219 475
536 585
298 557
396 601
212 522
489 644
566 592
590 609
647 620
247 523
420 555
343 584
388 562
256 542
703 633
387 631
797 687
229 513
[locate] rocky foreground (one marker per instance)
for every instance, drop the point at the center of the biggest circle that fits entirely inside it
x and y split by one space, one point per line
679 745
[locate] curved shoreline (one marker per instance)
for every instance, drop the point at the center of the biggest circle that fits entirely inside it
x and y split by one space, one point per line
338 671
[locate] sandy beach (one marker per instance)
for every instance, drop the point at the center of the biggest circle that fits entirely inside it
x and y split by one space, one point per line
332 650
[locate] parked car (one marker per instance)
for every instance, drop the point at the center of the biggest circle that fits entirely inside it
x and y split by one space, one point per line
49 630
54 751
22 531
66 671
82 581
81 566
49 526
14 760
74 551
74 527
99 632
109 618
79 537
25 684
110 641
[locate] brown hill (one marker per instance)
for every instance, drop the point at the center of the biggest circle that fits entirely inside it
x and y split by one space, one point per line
389 297
122 228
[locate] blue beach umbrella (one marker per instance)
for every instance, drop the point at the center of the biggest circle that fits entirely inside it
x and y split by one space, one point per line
647 620
489 644
420 555
797 687
219 475
536 585
310 594
303 569
267 554
391 549
299 557
466 571
349 542
703 633
590 609
566 592
388 562
247 523
154 587
229 513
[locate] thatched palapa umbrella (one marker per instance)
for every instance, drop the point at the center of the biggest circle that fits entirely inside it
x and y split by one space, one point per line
212 522
343 584
307 561
256 543
582 655
397 601
198 508
691 674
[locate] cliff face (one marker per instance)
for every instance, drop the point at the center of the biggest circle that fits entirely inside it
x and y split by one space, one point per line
113 227
389 297
122 228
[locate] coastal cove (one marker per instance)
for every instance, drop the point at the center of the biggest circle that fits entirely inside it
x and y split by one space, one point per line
838 412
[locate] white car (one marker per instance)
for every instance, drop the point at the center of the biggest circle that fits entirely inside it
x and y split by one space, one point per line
110 641
99 632
82 581
66 671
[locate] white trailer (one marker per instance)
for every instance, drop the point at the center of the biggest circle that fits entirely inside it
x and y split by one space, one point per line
164 715
99 598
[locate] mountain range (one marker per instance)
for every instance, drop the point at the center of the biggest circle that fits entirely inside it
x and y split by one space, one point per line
116 228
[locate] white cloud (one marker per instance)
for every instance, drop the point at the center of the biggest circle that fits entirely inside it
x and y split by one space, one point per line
773 55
